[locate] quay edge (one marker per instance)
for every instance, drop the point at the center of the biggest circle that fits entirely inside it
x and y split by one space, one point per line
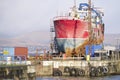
77 68
17 71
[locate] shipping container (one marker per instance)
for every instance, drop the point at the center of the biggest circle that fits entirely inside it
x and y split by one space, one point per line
21 52
8 52
93 49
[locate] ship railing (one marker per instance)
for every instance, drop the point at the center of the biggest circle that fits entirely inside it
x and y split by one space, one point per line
70 18
77 58
63 17
83 58
82 11
15 63
12 60
68 58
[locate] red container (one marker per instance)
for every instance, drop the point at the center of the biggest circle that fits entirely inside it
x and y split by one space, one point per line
21 51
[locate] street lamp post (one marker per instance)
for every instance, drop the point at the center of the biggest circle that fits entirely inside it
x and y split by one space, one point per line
117 43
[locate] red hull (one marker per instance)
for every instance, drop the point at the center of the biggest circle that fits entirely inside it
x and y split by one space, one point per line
71 29
72 34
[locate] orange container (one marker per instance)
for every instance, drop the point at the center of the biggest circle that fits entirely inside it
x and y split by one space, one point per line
21 51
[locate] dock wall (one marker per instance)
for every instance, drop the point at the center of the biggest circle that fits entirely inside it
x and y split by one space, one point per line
92 68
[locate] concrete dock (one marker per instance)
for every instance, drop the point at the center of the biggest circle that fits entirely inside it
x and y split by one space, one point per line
76 66
81 68
20 70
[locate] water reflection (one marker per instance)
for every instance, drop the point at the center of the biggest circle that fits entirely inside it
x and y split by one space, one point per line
117 77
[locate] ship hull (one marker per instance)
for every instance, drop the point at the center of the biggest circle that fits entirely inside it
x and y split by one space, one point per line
68 43
71 29
71 35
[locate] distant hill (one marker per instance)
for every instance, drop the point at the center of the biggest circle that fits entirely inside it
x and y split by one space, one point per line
32 38
112 39
38 38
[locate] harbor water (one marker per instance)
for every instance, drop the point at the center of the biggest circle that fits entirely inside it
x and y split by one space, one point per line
115 77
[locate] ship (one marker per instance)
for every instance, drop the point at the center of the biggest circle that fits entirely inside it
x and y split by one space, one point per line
74 30
74 37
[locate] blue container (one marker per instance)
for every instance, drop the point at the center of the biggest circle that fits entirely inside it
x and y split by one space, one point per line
9 52
93 49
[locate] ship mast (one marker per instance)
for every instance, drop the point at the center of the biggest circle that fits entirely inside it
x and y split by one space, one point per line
89 27
75 3
75 9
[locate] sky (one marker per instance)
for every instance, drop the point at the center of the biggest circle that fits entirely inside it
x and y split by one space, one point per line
23 16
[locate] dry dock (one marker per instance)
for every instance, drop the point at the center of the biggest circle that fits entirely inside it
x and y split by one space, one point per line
77 68
97 66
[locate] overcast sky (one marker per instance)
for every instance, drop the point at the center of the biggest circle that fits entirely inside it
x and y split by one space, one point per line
23 16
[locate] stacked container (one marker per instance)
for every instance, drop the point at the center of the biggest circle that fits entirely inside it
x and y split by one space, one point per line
21 52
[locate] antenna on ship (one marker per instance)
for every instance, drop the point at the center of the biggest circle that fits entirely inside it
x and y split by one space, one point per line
51 36
74 9
75 3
